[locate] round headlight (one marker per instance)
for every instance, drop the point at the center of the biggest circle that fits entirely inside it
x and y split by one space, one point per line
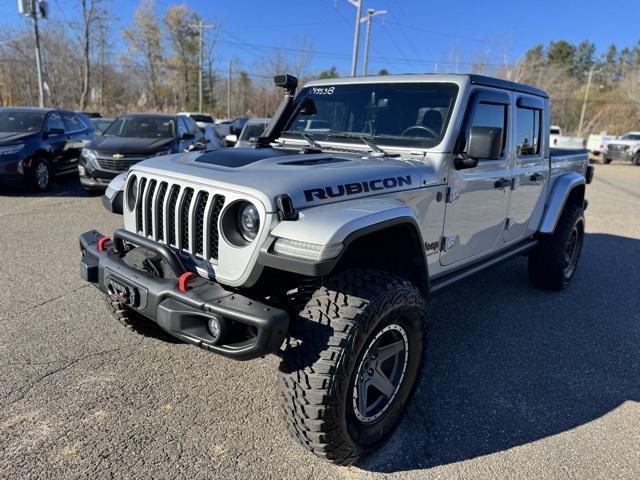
132 192
248 221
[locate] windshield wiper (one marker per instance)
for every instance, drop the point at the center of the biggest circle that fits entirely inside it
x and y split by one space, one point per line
305 136
367 140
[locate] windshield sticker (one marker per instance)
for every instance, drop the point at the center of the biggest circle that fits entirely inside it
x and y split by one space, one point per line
323 91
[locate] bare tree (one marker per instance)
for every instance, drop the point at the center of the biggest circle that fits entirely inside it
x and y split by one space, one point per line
93 13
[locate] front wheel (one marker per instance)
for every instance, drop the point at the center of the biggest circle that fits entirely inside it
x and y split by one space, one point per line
351 363
41 175
636 159
554 261
606 161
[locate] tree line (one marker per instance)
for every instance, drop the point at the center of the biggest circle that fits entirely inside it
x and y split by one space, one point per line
153 64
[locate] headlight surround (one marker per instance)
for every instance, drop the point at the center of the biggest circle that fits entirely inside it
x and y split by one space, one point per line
241 223
132 192
11 149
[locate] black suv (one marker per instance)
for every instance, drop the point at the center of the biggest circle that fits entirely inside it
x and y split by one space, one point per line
132 138
38 143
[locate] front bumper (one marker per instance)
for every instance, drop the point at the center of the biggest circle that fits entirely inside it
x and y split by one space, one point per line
617 154
260 329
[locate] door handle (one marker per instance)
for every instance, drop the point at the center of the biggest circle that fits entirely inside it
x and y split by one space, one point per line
536 177
502 183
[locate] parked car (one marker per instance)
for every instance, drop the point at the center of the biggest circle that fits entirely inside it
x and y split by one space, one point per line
101 124
324 248
92 114
626 148
206 123
558 140
230 127
37 144
597 143
132 138
251 131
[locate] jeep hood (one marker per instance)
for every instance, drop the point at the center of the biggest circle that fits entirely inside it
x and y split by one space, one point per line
309 179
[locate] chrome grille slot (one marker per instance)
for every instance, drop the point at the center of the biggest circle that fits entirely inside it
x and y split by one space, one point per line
218 203
148 210
199 214
159 209
183 217
171 214
118 164
141 187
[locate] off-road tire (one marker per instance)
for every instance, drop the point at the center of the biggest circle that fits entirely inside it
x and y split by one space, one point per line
136 322
325 353
547 263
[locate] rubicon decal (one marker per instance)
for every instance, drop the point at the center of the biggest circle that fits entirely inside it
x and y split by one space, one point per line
356 188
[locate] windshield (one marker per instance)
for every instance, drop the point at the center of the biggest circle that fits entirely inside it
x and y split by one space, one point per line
202 118
631 136
143 127
20 121
400 114
252 130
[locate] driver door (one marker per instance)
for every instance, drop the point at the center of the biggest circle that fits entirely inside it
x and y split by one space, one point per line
57 142
478 197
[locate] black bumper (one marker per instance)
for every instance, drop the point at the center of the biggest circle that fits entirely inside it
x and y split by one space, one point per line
183 315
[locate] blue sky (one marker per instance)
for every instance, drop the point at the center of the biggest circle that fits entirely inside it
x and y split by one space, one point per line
415 35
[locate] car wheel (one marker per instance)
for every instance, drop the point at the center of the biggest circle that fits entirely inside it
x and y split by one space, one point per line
351 363
41 175
553 263
606 160
636 159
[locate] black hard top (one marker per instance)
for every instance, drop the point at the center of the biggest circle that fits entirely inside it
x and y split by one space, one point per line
507 85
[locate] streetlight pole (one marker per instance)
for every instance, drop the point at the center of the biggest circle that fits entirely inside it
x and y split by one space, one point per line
356 36
201 27
584 102
367 18
33 13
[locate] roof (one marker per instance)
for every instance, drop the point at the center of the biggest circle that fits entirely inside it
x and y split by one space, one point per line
434 77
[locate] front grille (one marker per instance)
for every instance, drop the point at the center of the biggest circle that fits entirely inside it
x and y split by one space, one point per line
619 148
105 161
183 217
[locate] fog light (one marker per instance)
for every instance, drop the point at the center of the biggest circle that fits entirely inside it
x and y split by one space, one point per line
82 171
218 328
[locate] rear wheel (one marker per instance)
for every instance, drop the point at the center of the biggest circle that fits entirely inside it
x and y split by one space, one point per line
352 362
554 261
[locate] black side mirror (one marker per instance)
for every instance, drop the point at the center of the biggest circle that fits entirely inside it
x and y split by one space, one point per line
235 130
484 143
187 136
54 131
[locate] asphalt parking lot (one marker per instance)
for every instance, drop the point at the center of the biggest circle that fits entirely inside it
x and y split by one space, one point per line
518 383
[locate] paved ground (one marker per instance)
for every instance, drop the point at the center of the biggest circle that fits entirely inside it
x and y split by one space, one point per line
519 383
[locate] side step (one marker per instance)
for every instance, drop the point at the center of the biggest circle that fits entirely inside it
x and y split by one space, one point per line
448 279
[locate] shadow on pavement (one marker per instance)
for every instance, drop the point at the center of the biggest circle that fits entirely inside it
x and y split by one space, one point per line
64 186
507 364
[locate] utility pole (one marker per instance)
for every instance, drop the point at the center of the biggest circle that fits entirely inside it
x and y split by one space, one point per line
33 8
229 91
201 28
584 102
367 18
356 36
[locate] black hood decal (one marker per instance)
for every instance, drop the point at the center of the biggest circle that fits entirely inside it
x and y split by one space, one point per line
241 157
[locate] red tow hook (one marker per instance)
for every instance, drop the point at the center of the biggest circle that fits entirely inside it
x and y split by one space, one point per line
183 280
102 243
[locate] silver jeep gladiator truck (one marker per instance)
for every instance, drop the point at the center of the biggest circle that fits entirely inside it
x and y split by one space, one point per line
323 243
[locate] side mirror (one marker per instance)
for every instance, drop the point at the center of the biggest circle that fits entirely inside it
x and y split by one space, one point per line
484 143
308 107
187 136
231 139
235 130
54 131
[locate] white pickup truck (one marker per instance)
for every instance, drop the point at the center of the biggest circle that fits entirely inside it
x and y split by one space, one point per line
323 245
558 140
626 148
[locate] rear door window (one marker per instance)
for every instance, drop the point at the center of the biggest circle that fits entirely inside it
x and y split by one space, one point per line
528 131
